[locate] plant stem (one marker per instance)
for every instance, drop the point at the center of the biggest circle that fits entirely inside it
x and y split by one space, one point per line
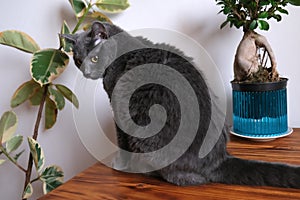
11 159
82 18
35 135
36 179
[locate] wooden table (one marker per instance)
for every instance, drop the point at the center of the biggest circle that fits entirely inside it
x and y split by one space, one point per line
101 182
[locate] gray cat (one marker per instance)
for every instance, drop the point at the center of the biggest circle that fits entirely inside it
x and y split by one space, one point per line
99 54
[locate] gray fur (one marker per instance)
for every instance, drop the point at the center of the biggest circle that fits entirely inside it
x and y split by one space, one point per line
188 169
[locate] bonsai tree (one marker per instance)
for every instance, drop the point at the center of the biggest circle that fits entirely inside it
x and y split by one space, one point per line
254 59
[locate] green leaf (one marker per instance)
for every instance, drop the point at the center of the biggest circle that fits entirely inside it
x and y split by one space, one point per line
263 15
224 24
253 25
264 3
23 93
57 98
263 25
2 161
14 143
227 10
18 40
68 94
99 17
238 24
67 47
50 113
79 7
8 126
284 11
48 64
277 17
95 16
272 2
37 153
112 6
52 177
37 96
28 191
17 156
49 186
294 2
220 3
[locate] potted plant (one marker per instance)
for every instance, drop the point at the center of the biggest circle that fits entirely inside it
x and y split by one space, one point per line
45 66
259 93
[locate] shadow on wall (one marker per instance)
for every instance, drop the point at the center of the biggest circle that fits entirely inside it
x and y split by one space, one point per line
220 45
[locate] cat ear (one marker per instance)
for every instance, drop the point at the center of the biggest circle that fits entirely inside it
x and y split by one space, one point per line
98 31
71 38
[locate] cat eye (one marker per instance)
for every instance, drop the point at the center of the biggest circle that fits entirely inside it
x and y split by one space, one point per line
95 59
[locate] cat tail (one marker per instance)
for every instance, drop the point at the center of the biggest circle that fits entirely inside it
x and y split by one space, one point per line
257 173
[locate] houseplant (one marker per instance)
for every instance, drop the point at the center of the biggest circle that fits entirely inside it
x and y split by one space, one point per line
45 66
259 93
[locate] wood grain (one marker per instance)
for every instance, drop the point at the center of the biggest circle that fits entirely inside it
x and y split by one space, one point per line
101 182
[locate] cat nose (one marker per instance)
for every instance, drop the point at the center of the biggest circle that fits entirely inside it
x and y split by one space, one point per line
86 71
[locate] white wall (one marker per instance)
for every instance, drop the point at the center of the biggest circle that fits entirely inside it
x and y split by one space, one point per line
197 19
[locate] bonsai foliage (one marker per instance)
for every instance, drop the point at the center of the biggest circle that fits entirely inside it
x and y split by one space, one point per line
45 66
254 50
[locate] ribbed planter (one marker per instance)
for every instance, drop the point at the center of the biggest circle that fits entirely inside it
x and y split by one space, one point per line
260 109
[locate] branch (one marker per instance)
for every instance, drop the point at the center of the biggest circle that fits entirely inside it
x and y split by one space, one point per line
35 135
36 179
237 14
261 41
11 159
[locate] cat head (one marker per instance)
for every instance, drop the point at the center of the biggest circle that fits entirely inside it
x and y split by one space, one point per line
94 49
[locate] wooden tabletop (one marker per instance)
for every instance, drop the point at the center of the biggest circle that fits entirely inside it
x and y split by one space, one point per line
101 182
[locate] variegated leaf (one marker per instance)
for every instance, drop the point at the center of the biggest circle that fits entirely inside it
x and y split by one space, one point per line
95 16
28 191
79 7
48 64
50 113
19 40
37 96
67 47
14 143
37 153
23 93
8 126
2 161
68 94
17 156
57 98
52 177
99 17
112 6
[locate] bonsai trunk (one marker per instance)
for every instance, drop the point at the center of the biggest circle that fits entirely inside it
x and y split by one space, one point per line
248 64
